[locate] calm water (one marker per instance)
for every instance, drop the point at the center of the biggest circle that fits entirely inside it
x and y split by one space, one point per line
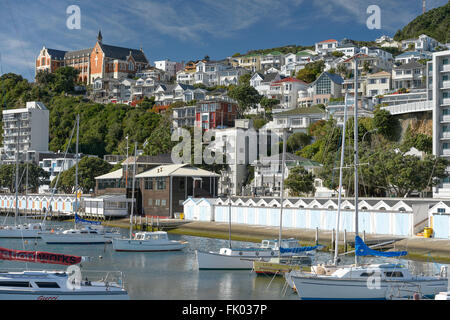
172 275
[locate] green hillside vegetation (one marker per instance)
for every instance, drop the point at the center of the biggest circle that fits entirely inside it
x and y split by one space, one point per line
103 128
434 23
284 50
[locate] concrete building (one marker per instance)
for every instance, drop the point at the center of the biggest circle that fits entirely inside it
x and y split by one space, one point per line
378 83
25 129
441 115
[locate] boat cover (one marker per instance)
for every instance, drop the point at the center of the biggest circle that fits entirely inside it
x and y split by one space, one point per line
38 257
78 219
361 249
298 249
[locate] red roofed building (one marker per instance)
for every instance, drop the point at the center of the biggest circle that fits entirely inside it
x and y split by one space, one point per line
286 91
323 47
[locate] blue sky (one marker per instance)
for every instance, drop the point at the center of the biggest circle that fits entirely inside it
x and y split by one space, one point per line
189 29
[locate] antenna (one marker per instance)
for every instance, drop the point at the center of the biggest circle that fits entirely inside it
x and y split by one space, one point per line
424 7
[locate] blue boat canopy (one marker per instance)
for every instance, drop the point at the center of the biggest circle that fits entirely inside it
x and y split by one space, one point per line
361 249
78 219
299 249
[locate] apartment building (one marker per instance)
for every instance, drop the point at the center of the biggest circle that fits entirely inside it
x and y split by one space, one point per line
25 130
378 83
409 76
441 115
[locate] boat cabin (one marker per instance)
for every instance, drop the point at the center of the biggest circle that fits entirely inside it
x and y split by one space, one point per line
388 271
285 243
158 235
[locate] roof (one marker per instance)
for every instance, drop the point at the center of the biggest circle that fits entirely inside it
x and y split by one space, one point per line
379 74
410 53
303 53
159 159
111 175
289 79
334 77
56 53
329 40
410 65
176 170
122 53
78 53
302 110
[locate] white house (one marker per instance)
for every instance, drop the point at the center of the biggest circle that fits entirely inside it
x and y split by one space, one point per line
167 66
323 47
286 91
261 82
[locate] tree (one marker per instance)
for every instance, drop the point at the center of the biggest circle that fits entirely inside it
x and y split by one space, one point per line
300 181
337 54
268 103
88 169
36 176
246 96
245 79
297 141
65 79
311 71
386 124
160 141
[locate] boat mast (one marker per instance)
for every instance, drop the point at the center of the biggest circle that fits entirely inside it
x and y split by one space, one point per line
229 220
26 192
340 182
283 160
17 170
76 171
356 131
132 189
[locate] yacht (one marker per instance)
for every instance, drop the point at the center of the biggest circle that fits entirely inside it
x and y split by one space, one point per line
148 241
56 285
86 235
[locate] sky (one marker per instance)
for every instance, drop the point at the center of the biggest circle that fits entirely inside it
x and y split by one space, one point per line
183 30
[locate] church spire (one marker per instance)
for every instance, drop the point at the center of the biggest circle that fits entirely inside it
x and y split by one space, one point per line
99 37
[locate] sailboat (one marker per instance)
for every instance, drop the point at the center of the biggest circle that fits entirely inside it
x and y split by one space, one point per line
299 257
245 258
145 241
85 235
383 281
27 230
53 285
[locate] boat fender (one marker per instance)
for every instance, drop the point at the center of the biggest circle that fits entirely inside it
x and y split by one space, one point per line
416 296
272 253
257 253
240 253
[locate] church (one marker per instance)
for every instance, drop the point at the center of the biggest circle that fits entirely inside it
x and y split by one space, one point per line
103 61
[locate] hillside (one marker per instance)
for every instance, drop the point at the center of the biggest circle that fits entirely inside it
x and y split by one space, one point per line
434 23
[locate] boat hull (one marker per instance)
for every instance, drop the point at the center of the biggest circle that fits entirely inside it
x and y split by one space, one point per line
146 246
326 288
19 234
217 261
74 239
100 295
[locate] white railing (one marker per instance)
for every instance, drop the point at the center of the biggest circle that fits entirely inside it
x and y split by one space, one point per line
446 101
410 107
446 84
446 68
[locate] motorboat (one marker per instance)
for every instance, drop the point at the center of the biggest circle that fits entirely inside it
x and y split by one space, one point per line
148 241
56 285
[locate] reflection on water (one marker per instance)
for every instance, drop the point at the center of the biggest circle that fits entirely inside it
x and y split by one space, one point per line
175 275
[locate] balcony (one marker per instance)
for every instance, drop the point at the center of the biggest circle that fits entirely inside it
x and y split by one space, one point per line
445 118
446 152
446 84
445 102
445 136
445 68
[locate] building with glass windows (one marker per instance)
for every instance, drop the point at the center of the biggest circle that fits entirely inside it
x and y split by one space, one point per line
441 115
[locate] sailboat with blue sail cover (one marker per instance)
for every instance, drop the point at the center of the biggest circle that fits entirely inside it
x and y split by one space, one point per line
383 281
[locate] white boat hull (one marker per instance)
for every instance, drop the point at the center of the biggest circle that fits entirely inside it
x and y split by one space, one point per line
17 233
326 288
213 260
22 295
53 238
147 245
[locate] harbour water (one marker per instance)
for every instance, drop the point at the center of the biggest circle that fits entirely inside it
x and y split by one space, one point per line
173 275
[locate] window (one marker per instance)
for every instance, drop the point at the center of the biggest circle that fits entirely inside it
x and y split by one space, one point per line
163 203
47 285
441 210
161 183
150 202
383 80
445 61
20 284
157 202
148 183
397 274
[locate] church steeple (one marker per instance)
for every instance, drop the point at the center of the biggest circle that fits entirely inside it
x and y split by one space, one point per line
99 37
